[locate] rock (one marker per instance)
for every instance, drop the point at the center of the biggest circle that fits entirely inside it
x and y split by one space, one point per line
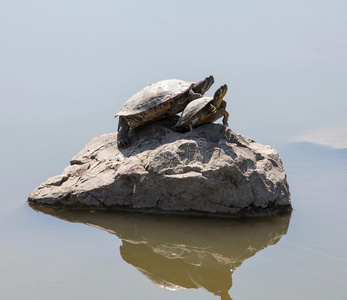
209 170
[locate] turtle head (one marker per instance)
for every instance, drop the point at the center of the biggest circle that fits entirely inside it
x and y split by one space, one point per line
219 95
204 85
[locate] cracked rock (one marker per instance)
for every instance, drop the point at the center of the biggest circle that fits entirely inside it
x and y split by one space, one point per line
210 170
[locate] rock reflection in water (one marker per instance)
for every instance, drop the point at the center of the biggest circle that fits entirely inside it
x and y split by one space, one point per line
181 252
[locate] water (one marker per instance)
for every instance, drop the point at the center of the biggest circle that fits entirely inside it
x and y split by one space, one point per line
184 253
55 254
67 68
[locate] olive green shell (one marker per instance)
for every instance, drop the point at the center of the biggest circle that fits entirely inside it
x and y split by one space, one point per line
192 110
153 95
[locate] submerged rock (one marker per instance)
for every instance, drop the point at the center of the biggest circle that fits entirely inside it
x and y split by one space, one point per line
208 170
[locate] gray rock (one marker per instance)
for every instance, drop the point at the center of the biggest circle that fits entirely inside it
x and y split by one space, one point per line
208 170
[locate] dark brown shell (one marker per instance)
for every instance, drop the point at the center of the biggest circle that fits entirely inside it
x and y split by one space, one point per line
152 96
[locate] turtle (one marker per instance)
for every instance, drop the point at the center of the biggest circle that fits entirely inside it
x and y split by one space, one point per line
204 110
156 101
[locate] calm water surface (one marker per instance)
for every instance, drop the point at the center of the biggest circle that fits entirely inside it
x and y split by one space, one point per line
57 254
68 66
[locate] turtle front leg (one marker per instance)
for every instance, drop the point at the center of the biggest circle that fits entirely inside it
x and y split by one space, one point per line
226 114
225 118
193 95
123 139
217 114
181 103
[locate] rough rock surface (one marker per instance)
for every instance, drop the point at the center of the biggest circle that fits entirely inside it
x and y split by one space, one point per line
208 170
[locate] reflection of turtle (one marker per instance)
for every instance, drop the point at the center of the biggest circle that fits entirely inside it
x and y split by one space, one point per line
162 99
204 257
204 110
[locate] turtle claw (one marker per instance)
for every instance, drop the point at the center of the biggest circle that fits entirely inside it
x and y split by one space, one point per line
123 142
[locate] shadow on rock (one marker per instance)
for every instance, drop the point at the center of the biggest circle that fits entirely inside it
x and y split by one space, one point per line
177 252
154 134
149 136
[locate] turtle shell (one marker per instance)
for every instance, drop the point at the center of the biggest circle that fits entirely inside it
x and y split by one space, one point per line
159 93
191 111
